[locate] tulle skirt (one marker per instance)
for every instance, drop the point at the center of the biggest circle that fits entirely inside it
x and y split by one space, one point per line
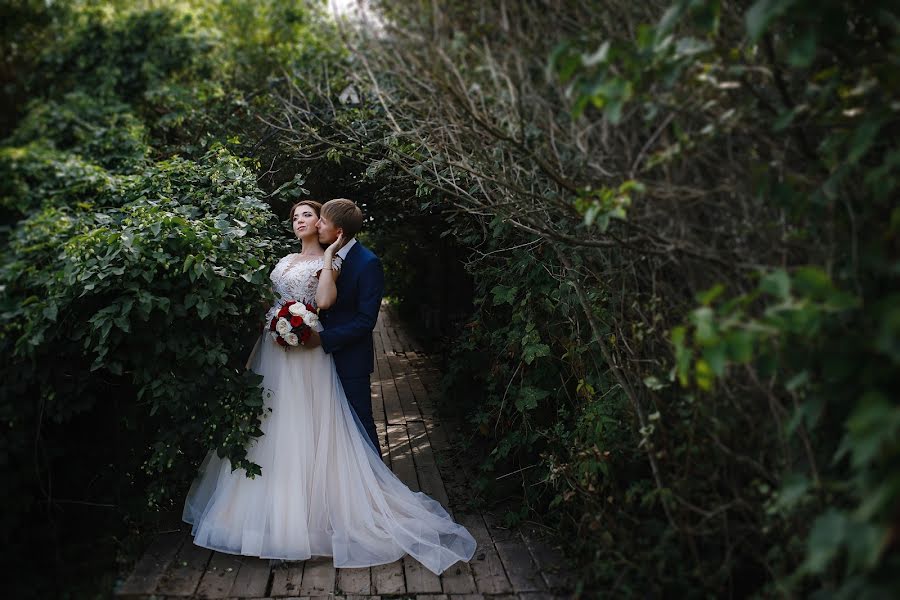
324 490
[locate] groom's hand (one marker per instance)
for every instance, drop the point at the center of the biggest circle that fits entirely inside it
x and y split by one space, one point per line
314 340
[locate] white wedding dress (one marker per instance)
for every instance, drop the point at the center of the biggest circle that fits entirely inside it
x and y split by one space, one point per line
324 490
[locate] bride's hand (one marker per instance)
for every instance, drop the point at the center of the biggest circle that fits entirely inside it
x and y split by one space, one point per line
335 246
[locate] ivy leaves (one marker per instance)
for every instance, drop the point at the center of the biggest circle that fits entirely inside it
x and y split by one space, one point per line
158 288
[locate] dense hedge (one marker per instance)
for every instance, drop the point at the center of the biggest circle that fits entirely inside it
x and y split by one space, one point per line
136 245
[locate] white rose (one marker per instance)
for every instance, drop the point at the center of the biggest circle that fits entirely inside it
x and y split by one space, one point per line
297 309
282 326
311 319
291 338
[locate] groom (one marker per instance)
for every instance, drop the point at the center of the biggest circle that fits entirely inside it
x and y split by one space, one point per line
349 322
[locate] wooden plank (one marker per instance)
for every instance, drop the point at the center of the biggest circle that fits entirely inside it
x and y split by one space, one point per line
394 327
458 579
145 577
407 340
423 400
378 411
184 573
386 336
354 581
421 446
400 369
426 468
388 579
252 579
401 456
392 408
490 576
522 572
286 579
378 344
433 485
318 577
382 371
392 339
419 580
437 435
219 576
551 561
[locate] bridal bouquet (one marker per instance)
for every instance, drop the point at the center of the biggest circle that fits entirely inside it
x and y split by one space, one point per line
292 324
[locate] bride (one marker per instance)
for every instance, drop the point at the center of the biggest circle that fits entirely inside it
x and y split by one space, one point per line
324 490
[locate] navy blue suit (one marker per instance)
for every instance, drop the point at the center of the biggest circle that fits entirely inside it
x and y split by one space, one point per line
348 325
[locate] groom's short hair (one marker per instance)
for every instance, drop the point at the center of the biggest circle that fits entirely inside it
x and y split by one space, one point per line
344 214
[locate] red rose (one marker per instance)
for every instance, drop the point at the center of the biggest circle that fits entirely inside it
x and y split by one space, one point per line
281 341
284 311
272 324
296 321
304 335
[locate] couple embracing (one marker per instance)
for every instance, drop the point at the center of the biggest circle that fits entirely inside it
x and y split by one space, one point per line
324 490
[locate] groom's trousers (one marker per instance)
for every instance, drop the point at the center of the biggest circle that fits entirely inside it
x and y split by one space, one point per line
359 395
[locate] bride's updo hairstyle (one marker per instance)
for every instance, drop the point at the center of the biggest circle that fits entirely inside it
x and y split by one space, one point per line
344 214
316 206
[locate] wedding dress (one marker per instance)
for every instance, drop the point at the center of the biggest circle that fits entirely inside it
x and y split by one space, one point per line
324 490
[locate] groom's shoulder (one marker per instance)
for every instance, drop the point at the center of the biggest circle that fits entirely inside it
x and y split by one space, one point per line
366 253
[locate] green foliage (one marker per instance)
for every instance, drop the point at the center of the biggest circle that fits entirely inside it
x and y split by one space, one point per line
136 243
824 334
185 251
683 246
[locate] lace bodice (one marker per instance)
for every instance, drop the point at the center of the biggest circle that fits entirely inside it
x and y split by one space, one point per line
296 278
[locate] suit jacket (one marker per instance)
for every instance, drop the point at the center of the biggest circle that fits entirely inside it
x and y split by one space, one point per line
348 324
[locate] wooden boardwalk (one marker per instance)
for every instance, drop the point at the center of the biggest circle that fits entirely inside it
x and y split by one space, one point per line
507 564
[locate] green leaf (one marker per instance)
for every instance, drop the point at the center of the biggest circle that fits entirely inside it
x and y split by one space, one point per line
793 488
803 50
683 355
740 344
705 333
529 397
717 358
862 139
504 294
654 383
825 540
874 423
776 283
533 351
762 13
709 296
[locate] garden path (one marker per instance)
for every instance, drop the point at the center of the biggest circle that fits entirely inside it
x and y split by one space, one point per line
508 565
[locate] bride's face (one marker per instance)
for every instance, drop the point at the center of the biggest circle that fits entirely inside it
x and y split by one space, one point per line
304 222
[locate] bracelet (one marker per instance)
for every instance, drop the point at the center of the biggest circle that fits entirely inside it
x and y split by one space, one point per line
326 268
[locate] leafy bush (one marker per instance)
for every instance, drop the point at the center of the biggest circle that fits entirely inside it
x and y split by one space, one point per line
136 244
186 251
683 251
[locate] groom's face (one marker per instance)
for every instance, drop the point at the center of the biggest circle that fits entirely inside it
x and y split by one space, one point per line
327 231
